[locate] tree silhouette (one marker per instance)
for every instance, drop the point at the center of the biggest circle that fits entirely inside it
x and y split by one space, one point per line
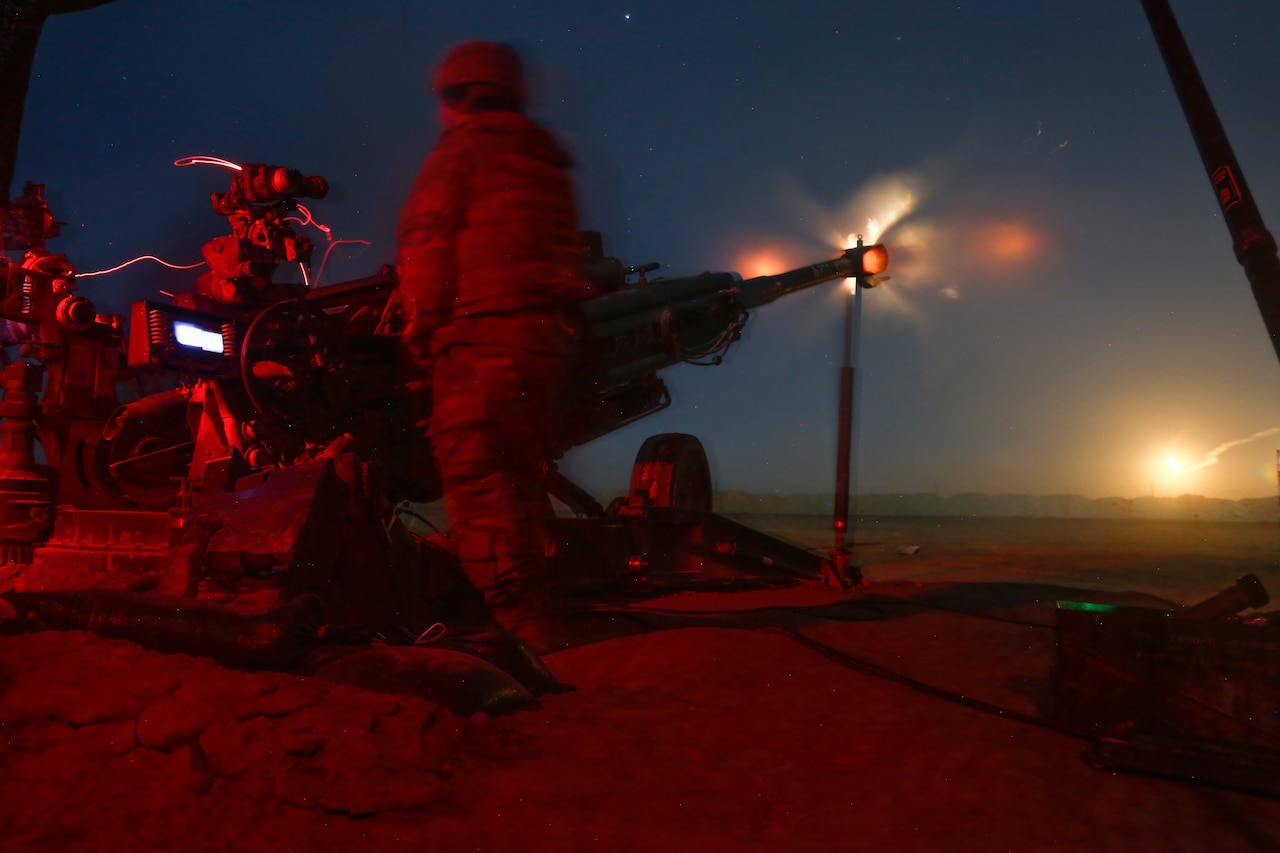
20 25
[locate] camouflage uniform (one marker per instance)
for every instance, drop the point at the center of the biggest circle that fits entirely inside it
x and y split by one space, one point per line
488 253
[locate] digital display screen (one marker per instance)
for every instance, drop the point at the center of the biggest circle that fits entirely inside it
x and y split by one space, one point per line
173 337
191 335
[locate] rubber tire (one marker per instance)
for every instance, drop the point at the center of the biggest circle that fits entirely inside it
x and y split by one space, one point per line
671 470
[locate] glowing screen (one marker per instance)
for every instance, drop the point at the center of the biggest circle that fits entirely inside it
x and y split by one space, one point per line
191 335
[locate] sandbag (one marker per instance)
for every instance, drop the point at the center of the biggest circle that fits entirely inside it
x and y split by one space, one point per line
461 682
275 640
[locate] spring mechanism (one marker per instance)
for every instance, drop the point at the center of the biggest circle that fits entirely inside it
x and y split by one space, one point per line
158 329
229 349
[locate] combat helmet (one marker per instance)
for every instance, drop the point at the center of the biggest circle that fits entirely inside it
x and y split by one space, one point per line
480 62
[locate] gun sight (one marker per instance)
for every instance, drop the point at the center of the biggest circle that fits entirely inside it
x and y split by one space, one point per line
259 184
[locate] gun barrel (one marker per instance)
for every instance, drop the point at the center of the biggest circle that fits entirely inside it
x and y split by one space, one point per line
373 289
764 289
751 293
657 296
634 333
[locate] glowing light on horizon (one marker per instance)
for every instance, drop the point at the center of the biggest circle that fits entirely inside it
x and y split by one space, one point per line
1172 464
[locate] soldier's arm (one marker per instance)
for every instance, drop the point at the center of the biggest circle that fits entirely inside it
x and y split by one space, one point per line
426 259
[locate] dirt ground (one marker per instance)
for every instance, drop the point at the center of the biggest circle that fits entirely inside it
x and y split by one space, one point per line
1182 561
911 714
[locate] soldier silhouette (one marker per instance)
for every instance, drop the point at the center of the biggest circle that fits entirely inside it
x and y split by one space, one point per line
489 256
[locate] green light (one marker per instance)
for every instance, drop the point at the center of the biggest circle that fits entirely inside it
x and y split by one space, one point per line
1088 605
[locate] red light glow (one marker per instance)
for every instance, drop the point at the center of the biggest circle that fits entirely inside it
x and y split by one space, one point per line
310 220
1009 243
118 267
875 260
204 160
333 244
762 262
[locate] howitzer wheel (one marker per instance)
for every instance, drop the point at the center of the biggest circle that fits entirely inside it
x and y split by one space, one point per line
671 470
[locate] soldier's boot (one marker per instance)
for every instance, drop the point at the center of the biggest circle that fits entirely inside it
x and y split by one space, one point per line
468 614
513 583
491 625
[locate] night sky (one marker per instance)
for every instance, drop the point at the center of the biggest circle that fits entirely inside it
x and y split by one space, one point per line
1065 312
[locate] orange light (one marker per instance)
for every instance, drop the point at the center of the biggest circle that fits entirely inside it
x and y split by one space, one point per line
762 262
1010 242
875 259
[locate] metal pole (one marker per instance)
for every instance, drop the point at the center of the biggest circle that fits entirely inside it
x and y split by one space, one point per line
1254 246
847 573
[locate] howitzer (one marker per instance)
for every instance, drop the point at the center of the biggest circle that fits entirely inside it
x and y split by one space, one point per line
241 384
343 369
630 334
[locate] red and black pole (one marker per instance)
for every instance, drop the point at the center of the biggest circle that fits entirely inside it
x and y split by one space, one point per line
847 573
1254 246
